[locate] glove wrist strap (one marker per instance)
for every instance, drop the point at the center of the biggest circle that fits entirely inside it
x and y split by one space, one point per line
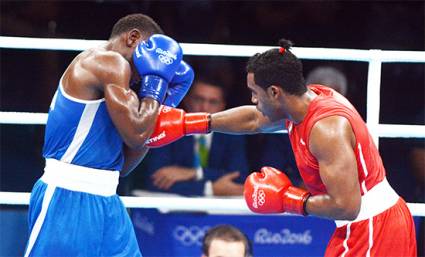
154 87
294 200
197 123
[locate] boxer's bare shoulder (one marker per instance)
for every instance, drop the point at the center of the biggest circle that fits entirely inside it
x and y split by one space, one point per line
88 73
101 62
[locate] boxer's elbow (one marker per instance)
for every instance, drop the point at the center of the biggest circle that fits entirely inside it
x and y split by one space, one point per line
134 145
351 213
347 210
141 132
254 124
137 142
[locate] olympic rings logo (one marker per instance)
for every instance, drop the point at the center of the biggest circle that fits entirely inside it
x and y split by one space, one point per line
261 197
192 235
165 59
258 197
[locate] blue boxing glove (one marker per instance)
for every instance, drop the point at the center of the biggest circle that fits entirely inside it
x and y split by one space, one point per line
156 61
179 85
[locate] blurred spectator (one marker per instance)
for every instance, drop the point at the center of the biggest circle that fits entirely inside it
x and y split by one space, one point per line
417 167
328 76
213 164
417 160
273 150
225 241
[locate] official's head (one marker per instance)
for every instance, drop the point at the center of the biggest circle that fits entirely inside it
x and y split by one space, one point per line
130 30
206 95
273 74
225 241
328 76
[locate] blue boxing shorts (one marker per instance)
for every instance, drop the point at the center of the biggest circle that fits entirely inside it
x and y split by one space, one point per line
75 211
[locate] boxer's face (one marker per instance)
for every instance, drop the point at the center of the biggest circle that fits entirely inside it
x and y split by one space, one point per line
266 101
259 96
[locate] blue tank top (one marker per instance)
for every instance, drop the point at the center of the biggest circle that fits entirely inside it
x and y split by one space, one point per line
81 132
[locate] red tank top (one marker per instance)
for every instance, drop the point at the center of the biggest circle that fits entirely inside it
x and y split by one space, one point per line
330 103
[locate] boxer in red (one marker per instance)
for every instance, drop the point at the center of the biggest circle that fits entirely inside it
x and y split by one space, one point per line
335 154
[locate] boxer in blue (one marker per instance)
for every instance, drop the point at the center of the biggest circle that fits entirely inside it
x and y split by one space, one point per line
96 131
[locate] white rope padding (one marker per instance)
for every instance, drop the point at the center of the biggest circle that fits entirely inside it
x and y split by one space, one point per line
223 50
23 118
375 58
383 130
167 204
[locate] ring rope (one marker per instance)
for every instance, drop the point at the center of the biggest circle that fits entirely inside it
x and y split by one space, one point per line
225 50
167 204
384 130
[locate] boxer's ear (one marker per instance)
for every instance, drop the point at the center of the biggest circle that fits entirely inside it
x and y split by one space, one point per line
274 91
134 36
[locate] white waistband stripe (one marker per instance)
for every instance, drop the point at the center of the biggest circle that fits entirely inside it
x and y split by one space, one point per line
377 200
81 179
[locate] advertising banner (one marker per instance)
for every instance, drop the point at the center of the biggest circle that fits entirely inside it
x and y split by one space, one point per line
180 234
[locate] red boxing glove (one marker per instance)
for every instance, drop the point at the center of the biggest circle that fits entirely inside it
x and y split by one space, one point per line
172 124
271 191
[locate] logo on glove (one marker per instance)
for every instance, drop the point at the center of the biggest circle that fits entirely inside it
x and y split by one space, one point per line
258 197
156 138
165 59
165 56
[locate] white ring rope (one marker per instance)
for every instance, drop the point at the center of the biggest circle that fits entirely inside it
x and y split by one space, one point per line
179 203
375 58
224 50
23 118
384 130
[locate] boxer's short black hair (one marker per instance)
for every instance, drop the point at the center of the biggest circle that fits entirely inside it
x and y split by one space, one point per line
279 67
138 21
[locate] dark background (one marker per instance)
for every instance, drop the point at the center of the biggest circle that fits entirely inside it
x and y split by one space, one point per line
29 77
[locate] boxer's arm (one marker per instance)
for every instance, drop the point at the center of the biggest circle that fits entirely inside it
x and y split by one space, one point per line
134 119
132 158
332 142
173 123
243 120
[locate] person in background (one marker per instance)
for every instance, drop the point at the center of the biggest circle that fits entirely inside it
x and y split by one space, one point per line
417 169
225 241
330 77
210 165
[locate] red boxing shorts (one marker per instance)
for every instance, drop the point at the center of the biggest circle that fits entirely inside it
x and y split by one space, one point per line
389 233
